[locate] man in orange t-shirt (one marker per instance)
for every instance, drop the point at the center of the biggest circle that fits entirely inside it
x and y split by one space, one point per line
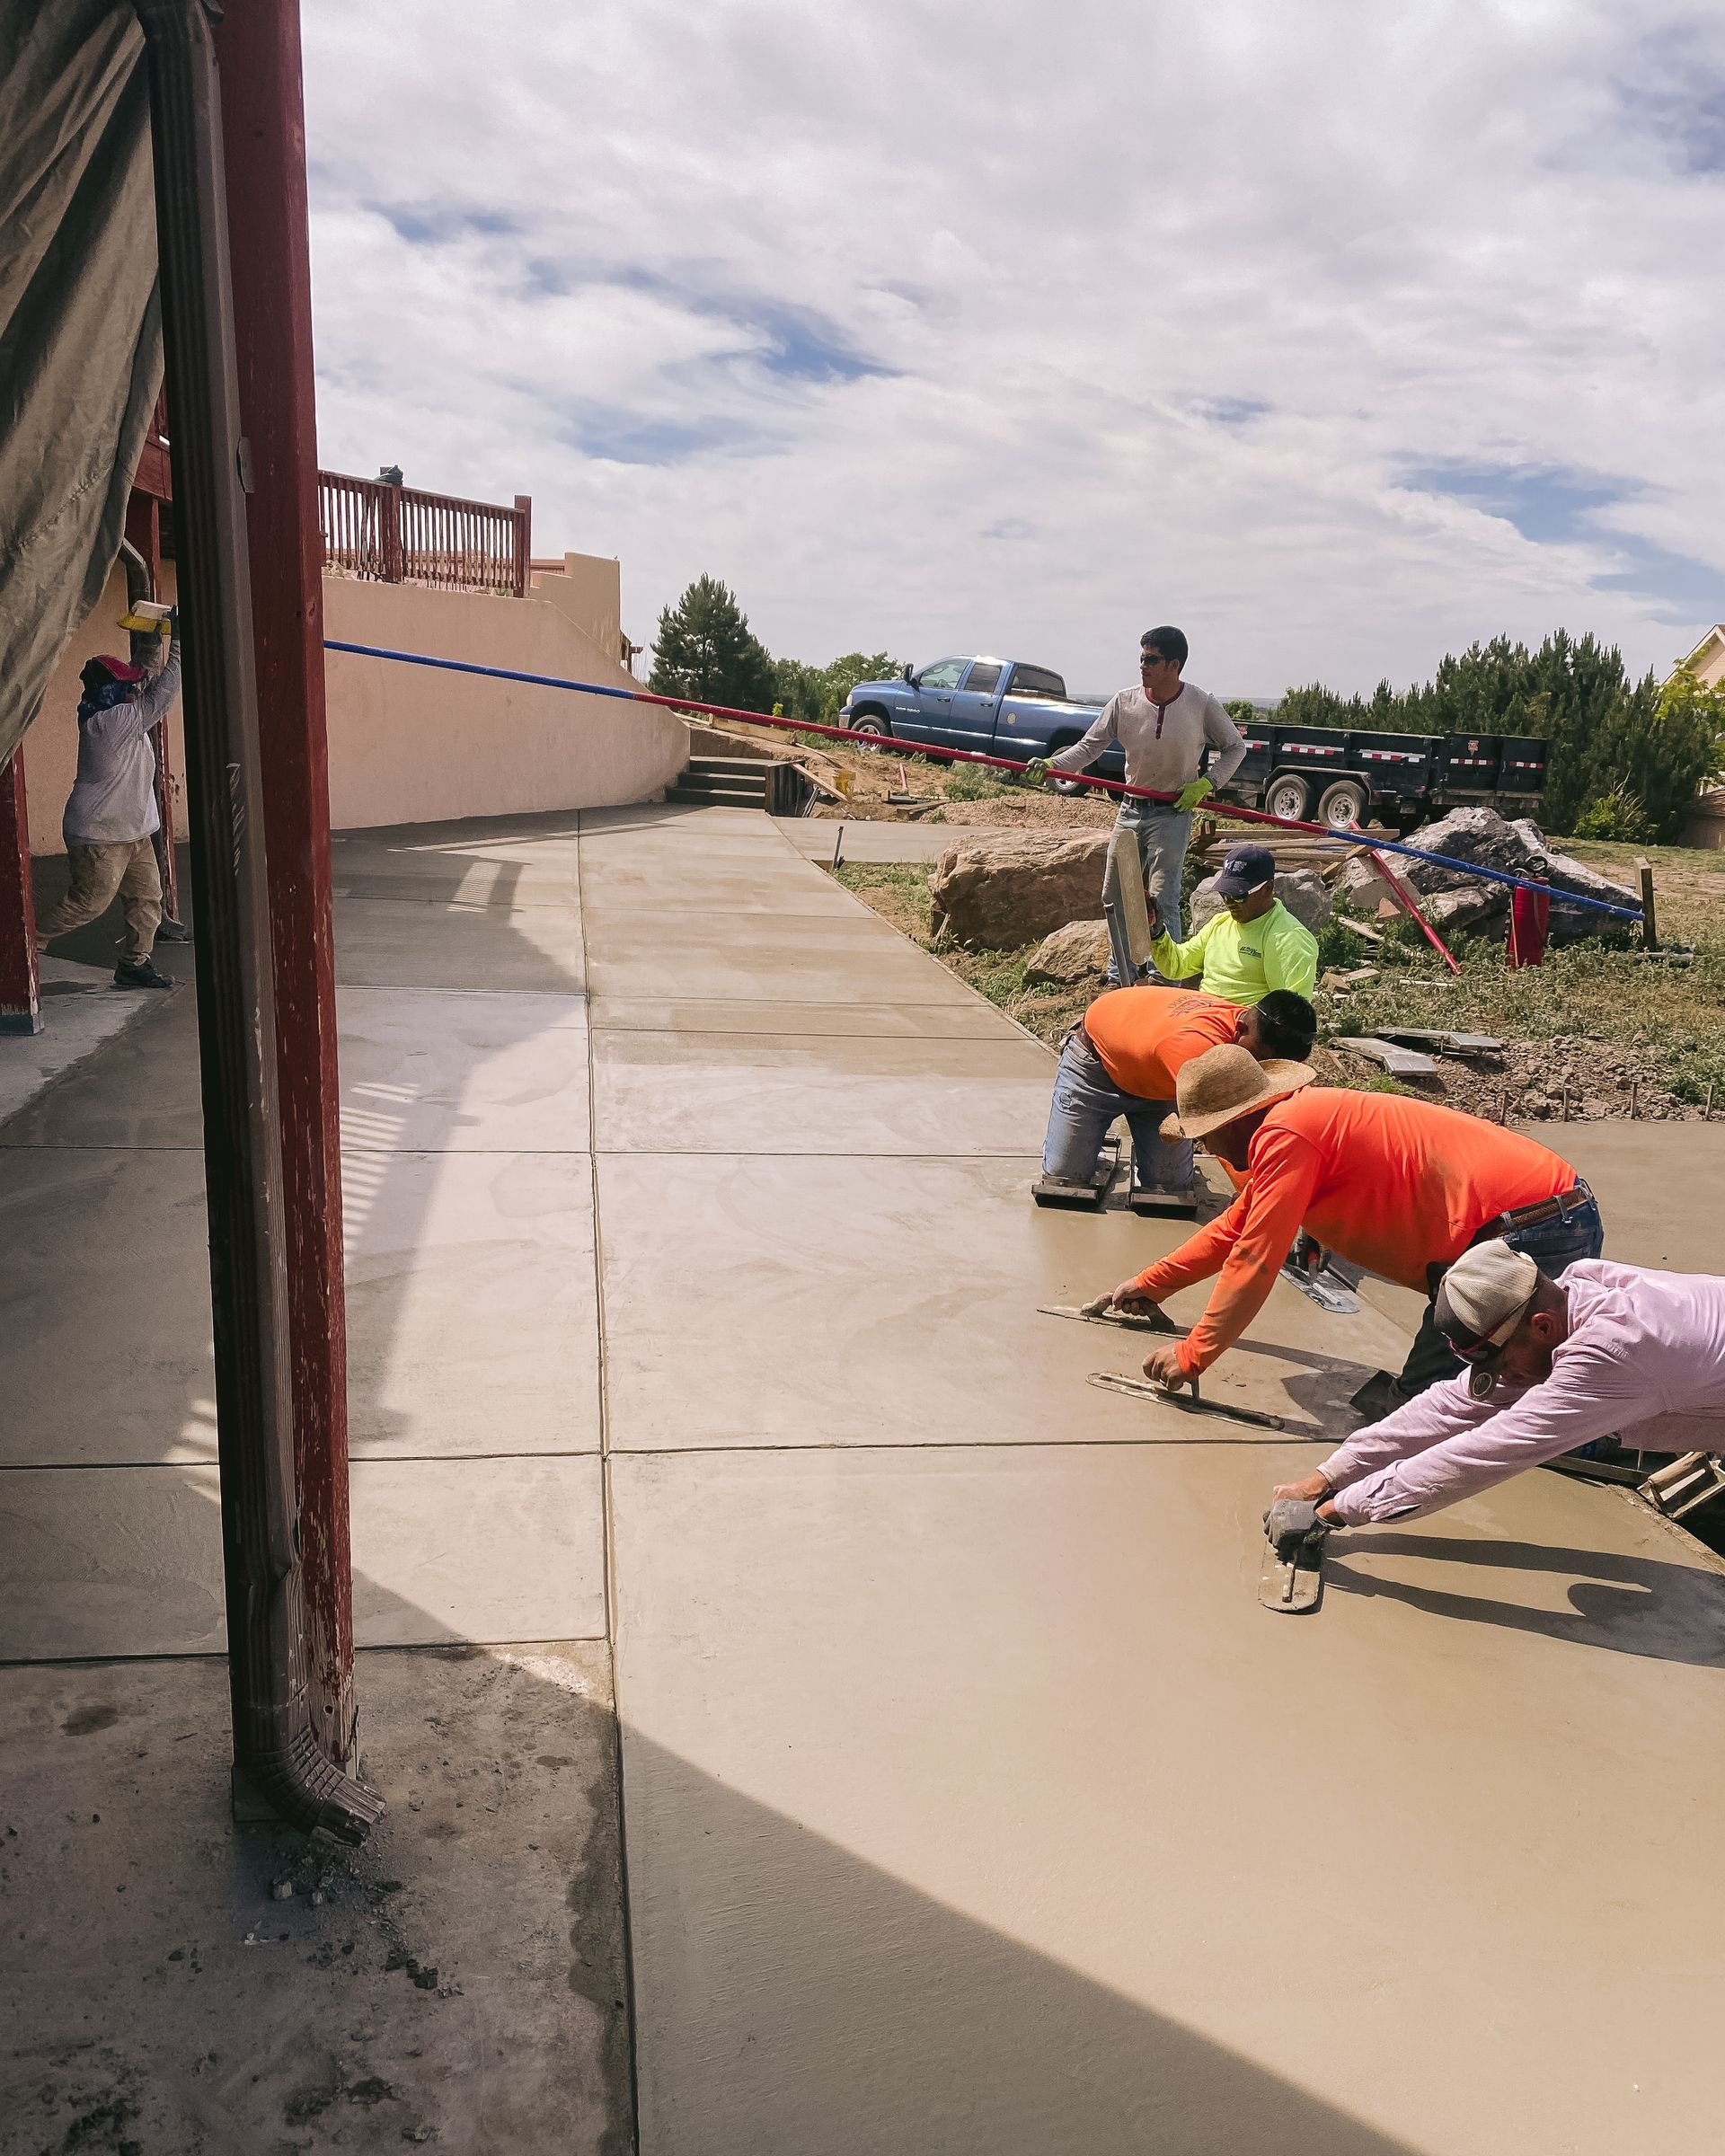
1122 1059
1398 1186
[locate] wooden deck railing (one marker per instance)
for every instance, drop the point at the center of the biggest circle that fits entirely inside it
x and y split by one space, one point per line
400 535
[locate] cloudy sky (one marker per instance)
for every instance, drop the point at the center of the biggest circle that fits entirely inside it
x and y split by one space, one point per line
1338 334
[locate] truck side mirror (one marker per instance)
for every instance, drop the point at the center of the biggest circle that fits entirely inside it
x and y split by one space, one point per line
910 673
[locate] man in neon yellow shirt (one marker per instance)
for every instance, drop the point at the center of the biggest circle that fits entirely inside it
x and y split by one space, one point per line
1251 946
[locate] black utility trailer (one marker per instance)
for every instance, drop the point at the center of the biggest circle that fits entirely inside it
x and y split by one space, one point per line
1342 776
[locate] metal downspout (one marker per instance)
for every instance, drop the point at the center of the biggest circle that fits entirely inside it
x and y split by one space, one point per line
276 1755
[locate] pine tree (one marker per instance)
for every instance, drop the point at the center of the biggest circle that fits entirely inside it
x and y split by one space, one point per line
705 650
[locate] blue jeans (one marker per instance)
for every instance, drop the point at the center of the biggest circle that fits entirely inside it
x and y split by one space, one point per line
1086 1100
1552 1244
1162 838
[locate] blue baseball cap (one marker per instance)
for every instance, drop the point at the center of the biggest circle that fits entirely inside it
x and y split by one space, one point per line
1245 869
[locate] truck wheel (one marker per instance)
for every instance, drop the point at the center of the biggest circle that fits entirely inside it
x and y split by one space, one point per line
877 728
1067 786
1343 805
1288 796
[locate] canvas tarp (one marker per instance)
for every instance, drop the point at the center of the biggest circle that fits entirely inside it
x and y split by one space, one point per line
80 321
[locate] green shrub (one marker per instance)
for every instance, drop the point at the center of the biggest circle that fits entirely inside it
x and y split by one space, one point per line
1614 814
1340 948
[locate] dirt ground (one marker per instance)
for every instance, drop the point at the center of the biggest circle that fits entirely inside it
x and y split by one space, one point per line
1600 1032
1597 1033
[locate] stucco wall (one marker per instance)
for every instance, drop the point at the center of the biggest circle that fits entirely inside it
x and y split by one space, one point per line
588 589
409 745
51 745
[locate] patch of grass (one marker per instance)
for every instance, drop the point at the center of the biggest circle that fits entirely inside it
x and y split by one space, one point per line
1340 949
1673 1018
965 782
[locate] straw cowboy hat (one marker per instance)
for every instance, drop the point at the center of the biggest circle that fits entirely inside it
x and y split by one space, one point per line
1225 1083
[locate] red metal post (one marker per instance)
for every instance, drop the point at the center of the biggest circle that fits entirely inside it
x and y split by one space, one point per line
21 1002
258 49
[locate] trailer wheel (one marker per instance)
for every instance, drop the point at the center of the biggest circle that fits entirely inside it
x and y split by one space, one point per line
1288 796
1343 805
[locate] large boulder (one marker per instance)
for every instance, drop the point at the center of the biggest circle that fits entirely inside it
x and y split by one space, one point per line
1303 891
1460 901
999 892
1076 952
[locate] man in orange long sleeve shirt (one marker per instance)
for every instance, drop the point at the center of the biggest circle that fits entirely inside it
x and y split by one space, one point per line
1122 1059
1401 1187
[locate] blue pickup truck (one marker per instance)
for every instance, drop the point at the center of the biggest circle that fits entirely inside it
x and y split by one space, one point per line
1335 775
998 706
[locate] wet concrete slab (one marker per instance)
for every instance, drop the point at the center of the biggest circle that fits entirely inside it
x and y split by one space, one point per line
114 1560
611 901
104 1303
1648 1177
806 1093
81 1010
450 1259
506 1548
995 1815
122 1562
814 837
392 943
141 1091
973 1019
910 1289
494 886
854 958
427 1070
459 1982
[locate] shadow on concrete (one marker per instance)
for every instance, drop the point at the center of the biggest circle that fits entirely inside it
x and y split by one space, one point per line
1626 1605
791 1998
460 1981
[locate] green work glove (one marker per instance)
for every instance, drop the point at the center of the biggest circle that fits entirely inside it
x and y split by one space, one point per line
1035 772
1191 794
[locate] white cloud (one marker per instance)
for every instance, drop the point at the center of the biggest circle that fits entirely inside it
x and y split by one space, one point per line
940 328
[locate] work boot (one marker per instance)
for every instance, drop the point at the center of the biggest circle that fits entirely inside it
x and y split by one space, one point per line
141 976
173 932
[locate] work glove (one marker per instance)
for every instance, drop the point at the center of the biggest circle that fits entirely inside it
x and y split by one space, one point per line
1292 1519
1189 795
1035 772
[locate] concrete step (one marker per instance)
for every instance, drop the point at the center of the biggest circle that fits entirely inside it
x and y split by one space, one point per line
736 781
697 787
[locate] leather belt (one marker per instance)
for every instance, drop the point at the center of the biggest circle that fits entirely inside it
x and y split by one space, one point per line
1531 1216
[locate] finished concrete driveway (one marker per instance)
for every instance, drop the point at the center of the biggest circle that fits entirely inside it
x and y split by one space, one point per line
970 1802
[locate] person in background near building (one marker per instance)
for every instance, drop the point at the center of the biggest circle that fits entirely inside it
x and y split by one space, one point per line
1164 727
1552 1365
1399 1186
1252 945
110 815
1122 1059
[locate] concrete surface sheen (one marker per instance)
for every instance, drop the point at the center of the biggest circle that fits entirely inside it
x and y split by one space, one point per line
974 1806
995 1815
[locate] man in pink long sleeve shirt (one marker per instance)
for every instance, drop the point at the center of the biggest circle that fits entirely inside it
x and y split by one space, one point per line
1608 1350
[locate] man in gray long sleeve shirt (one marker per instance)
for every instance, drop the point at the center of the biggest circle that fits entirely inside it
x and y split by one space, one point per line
110 815
1164 727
